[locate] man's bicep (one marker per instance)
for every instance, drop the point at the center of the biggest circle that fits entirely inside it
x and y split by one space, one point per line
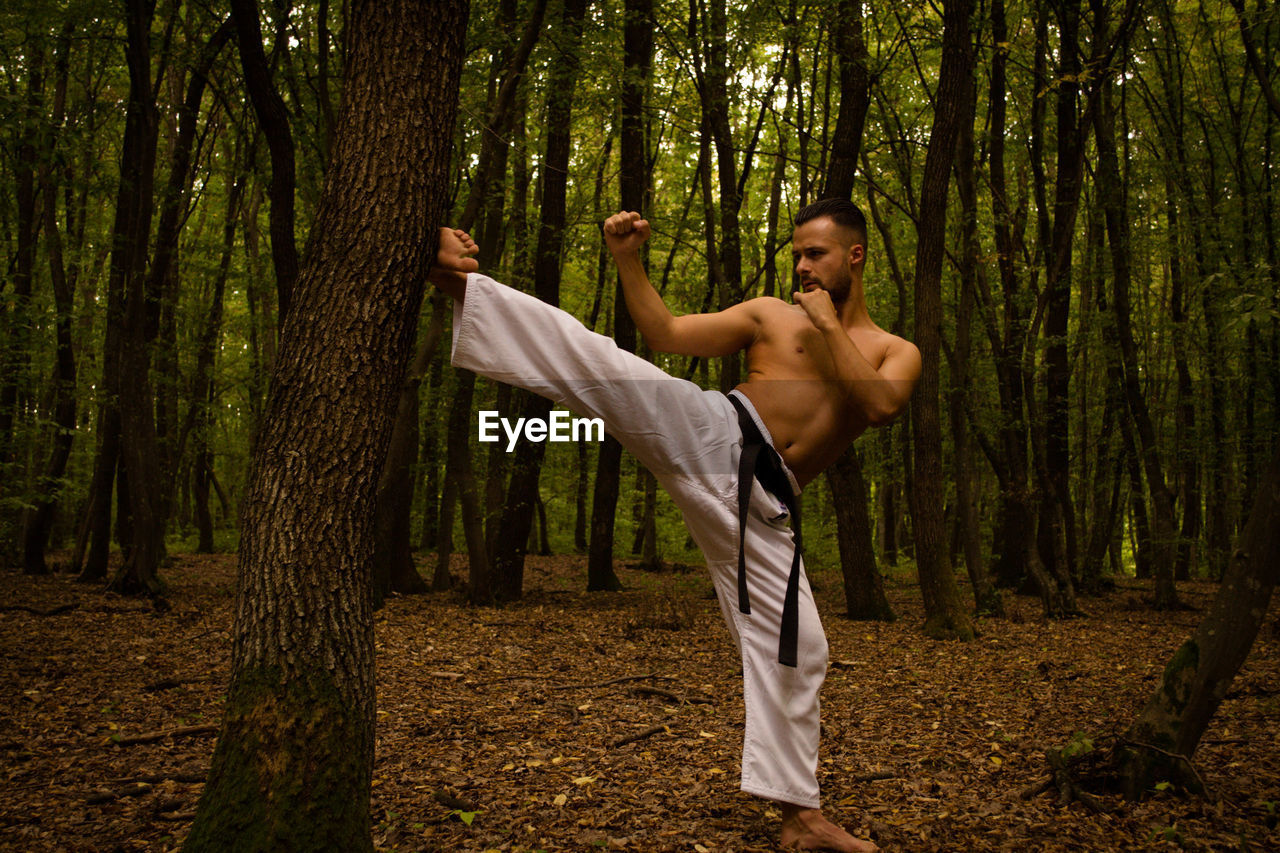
715 334
900 370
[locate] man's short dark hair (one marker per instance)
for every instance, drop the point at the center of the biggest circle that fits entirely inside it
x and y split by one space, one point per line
841 211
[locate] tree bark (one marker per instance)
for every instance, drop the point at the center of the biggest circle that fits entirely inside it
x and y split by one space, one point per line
863 586
293 765
944 614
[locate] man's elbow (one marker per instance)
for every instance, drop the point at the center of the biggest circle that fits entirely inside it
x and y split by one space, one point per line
878 416
656 341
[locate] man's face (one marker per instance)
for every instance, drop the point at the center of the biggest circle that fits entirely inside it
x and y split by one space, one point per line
825 255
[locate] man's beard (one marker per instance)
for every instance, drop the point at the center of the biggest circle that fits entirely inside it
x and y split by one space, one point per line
840 288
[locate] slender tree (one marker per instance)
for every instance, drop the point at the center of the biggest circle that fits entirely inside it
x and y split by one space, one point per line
637 58
517 518
944 614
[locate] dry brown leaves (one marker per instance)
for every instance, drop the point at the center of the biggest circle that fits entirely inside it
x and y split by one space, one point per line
503 729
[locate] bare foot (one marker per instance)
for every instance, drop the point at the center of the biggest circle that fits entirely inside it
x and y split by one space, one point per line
455 257
807 829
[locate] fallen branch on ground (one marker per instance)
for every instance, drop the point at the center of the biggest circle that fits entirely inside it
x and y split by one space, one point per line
622 680
696 699
186 776
105 795
152 737
649 732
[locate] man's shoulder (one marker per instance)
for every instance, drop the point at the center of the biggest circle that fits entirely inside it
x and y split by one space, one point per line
767 305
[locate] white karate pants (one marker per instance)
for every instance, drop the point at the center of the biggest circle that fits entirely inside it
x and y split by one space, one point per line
689 438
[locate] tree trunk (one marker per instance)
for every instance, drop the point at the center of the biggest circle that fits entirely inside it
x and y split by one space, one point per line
863 586
48 493
1015 515
15 357
1112 195
138 446
273 118
986 598
637 55
393 569
945 616
1160 743
293 765
855 98
1057 523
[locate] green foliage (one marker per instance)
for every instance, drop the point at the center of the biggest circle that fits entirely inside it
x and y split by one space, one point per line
1199 198
1079 745
464 816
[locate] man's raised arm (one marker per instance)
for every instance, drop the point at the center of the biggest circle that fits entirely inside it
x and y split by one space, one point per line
705 335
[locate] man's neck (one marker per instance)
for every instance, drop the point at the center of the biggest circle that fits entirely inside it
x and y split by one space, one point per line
853 311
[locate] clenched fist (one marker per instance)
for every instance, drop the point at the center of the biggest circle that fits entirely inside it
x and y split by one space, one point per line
625 232
818 305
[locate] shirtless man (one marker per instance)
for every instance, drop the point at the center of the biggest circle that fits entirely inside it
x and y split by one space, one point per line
819 372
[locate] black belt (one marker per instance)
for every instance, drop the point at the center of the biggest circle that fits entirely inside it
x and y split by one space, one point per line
759 461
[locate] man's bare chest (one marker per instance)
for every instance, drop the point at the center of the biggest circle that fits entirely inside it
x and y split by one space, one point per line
793 344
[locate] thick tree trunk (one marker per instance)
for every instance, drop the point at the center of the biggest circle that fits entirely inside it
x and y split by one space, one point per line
715 106
855 98
293 765
1160 743
864 590
945 616
1057 522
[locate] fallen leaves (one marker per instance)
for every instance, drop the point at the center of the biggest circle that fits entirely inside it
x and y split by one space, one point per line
571 722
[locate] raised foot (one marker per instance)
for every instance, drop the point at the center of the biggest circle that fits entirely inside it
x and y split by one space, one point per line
455 257
807 829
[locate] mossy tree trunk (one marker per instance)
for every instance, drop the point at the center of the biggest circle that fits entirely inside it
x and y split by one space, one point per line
293 766
1159 745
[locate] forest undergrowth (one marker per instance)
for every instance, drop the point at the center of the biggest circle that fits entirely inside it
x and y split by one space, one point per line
575 722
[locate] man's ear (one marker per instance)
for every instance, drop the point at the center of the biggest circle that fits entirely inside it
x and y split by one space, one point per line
857 254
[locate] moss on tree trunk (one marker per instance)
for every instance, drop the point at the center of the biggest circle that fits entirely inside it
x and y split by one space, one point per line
294 759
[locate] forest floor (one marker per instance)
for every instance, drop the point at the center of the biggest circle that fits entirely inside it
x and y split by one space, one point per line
520 714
